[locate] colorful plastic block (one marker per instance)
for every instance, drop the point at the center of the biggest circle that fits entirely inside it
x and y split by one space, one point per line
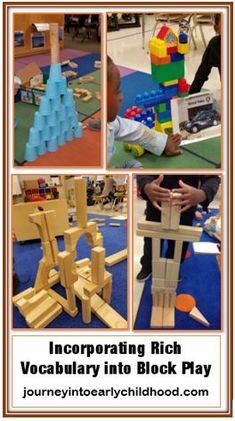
163 117
163 32
160 60
183 48
158 47
183 87
170 82
162 108
183 38
177 57
171 50
161 127
165 72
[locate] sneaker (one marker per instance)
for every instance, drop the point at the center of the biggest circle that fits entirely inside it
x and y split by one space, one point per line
143 275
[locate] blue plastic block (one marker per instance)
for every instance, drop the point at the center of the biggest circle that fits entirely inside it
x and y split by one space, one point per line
183 38
177 57
169 91
163 116
148 99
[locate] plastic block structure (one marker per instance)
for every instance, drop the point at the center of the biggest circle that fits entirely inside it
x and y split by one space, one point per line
56 121
165 272
86 279
167 50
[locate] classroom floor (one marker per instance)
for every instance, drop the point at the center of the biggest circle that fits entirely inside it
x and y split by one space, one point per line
139 208
125 48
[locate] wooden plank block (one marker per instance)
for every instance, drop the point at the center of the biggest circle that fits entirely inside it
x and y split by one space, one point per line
107 291
112 224
159 268
25 306
110 317
158 283
82 263
170 235
49 317
168 318
172 270
97 265
198 316
40 311
113 259
178 251
50 217
86 309
183 229
38 219
67 269
175 217
63 302
156 249
27 293
47 252
81 201
165 215
156 317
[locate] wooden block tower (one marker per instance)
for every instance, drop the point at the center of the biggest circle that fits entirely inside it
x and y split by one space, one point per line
165 272
83 278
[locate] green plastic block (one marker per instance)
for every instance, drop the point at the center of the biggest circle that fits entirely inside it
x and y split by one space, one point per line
166 72
162 108
163 120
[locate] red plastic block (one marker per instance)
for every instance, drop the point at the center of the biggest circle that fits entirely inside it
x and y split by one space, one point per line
163 32
171 50
183 87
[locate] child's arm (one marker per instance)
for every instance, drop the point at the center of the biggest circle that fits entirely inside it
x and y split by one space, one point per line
136 133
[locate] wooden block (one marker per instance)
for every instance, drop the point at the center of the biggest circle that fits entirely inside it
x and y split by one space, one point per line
25 306
158 283
63 302
82 263
184 230
87 98
54 249
81 202
165 215
109 316
38 219
175 217
50 223
41 281
168 317
113 259
172 270
198 316
156 249
97 265
40 311
114 225
71 237
99 240
67 269
86 309
178 251
159 268
97 64
180 234
100 225
171 284
107 291
85 79
49 317
156 317
27 293
98 96
47 252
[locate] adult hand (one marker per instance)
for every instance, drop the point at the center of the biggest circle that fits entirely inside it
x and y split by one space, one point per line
156 193
172 144
190 196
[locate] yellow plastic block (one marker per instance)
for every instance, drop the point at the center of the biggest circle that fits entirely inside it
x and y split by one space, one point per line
170 82
161 127
158 47
183 48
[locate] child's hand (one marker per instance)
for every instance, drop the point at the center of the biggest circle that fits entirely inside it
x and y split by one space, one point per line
156 193
172 144
190 196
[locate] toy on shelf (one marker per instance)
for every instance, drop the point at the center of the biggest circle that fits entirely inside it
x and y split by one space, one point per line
56 122
167 50
165 272
84 278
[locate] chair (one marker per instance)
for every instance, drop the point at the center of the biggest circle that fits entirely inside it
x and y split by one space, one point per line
198 21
